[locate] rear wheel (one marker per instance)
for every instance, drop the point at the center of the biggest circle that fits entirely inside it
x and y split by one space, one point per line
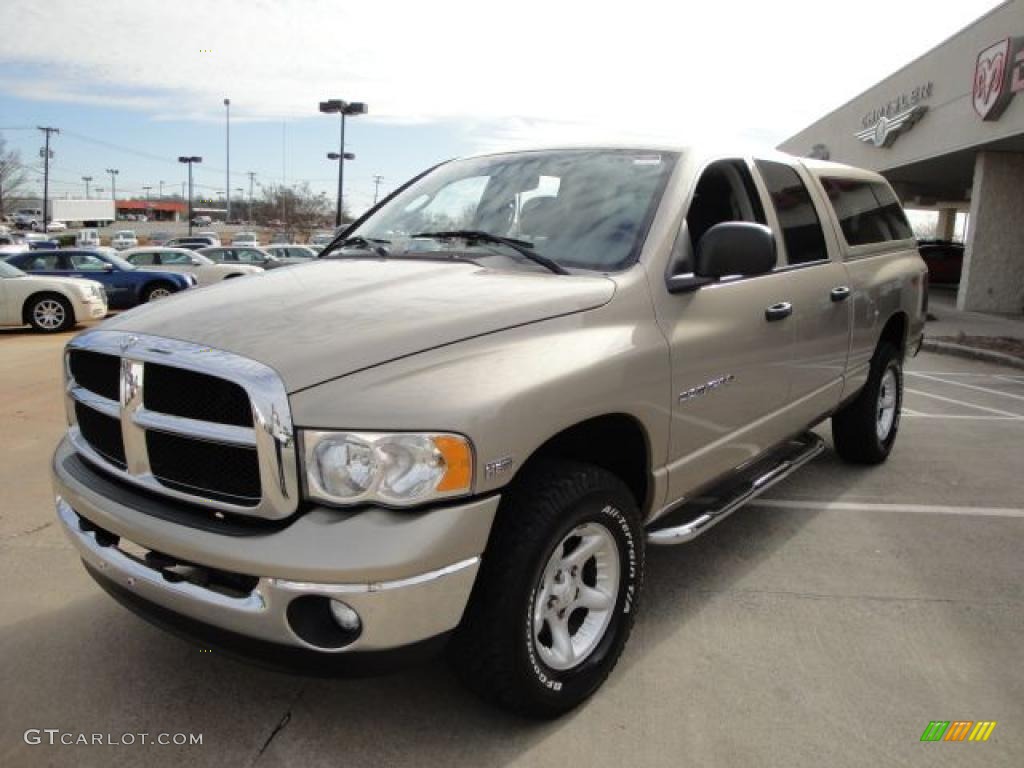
557 592
864 430
50 313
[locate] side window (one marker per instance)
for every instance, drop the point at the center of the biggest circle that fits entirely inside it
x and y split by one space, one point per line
868 212
172 257
143 259
801 228
725 192
86 262
48 262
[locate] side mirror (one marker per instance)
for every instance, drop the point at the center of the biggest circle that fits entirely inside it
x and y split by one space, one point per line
108 267
735 248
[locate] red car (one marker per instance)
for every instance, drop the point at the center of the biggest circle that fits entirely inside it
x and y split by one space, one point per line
945 261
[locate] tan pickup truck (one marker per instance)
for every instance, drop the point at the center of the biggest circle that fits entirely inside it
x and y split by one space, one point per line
463 424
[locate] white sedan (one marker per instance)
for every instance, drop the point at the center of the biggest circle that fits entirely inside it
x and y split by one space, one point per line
206 270
48 304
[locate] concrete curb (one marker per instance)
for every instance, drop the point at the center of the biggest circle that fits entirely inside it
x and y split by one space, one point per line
972 353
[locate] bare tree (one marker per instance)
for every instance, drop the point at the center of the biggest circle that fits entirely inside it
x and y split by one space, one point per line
13 176
298 208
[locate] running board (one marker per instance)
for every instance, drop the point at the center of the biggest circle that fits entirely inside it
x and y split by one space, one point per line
692 518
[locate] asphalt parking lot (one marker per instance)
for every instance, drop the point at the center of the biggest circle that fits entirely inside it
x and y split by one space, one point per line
827 625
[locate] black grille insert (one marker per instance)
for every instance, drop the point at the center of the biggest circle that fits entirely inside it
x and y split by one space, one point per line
222 472
103 433
96 372
179 392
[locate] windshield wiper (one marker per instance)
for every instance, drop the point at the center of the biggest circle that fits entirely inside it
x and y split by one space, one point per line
522 247
374 244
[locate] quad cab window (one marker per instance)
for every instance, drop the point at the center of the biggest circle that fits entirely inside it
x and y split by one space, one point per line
868 212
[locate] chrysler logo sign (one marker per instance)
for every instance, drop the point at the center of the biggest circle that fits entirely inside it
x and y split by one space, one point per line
998 75
887 129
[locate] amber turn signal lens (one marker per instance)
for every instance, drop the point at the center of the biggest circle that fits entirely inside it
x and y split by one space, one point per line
459 462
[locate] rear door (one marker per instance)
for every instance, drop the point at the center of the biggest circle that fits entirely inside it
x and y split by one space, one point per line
817 287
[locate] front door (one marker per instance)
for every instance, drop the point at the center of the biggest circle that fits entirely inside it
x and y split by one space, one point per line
730 359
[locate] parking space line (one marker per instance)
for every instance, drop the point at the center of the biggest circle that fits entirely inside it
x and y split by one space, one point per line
967 386
963 403
961 416
858 506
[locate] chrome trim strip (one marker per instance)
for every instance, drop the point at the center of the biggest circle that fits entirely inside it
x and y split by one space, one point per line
204 430
99 403
376 586
272 434
680 534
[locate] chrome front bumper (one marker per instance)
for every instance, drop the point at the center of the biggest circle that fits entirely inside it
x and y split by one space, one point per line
397 611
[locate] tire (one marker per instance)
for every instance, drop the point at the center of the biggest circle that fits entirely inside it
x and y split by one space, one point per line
864 430
505 648
49 313
157 291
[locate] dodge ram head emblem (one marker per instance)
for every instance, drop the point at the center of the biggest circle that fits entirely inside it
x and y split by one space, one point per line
998 74
887 129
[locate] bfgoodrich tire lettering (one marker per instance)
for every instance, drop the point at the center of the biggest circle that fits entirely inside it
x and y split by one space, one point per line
496 649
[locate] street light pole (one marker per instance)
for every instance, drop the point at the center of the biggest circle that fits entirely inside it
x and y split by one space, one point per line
343 108
189 160
146 190
87 179
252 177
227 175
161 190
113 186
376 187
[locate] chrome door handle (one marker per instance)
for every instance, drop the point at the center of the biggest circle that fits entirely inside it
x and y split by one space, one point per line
840 293
778 311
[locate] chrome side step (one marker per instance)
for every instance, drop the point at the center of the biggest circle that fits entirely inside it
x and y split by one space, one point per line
692 518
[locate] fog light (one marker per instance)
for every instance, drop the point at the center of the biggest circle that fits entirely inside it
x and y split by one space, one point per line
347 618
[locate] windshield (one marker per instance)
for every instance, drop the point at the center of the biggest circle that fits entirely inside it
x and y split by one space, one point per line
588 209
9 270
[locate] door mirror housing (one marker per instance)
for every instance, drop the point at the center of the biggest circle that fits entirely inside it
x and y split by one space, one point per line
735 248
108 267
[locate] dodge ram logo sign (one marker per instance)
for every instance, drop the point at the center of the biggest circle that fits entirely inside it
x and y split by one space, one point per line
998 74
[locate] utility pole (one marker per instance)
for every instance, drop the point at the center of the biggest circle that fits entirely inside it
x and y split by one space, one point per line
113 186
227 175
376 187
252 178
46 176
87 179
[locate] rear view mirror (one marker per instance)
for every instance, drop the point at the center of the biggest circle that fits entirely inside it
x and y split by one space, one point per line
735 248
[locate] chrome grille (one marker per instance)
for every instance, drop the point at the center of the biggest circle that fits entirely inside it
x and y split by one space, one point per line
189 422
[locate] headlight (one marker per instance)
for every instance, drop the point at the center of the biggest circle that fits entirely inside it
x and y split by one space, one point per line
398 469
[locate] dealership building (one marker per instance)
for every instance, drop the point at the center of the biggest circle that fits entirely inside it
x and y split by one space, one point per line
947 130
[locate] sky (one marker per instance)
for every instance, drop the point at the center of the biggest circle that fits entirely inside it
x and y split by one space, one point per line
133 84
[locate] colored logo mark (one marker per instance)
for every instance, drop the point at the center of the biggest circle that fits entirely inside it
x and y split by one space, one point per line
958 730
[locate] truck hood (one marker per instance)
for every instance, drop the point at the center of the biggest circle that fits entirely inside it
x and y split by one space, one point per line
329 318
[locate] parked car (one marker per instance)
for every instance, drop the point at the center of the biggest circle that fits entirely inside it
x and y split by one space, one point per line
212 235
232 254
183 260
245 238
124 239
281 238
28 218
467 438
321 238
125 284
945 261
48 304
159 238
39 241
56 226
12 243
201 221
87 238
294 253
192 242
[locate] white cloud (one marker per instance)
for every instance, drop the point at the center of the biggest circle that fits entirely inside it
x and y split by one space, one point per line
547 70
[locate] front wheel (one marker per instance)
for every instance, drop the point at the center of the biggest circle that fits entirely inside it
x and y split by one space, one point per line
864 430
50 314
156 292
557 592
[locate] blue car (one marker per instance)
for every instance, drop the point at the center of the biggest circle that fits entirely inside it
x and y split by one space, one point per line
126 284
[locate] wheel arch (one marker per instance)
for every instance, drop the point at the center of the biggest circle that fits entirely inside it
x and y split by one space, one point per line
34 297
895 332
617 442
